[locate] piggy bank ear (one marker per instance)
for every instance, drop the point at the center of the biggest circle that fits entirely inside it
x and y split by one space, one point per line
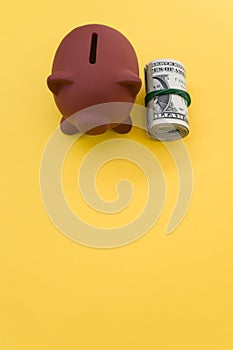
57 80
131 81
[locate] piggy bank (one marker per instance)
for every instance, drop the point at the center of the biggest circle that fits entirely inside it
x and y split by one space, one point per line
95 65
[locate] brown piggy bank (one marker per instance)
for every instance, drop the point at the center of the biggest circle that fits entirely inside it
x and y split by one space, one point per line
94 65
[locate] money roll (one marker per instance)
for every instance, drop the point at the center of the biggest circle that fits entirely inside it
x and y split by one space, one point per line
166 100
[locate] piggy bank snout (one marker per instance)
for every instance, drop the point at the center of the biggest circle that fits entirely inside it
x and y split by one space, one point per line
91 123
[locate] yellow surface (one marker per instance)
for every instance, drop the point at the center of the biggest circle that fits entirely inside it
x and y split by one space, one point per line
161 292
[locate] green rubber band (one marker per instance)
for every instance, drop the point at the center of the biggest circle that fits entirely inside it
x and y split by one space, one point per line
179 92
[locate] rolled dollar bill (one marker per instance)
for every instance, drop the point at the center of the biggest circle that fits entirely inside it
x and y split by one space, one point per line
166 100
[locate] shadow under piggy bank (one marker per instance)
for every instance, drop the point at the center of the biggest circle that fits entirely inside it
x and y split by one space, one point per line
94 64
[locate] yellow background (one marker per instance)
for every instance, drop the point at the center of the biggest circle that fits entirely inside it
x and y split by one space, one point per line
161 292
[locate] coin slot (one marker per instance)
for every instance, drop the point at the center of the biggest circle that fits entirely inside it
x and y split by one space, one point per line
93 49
